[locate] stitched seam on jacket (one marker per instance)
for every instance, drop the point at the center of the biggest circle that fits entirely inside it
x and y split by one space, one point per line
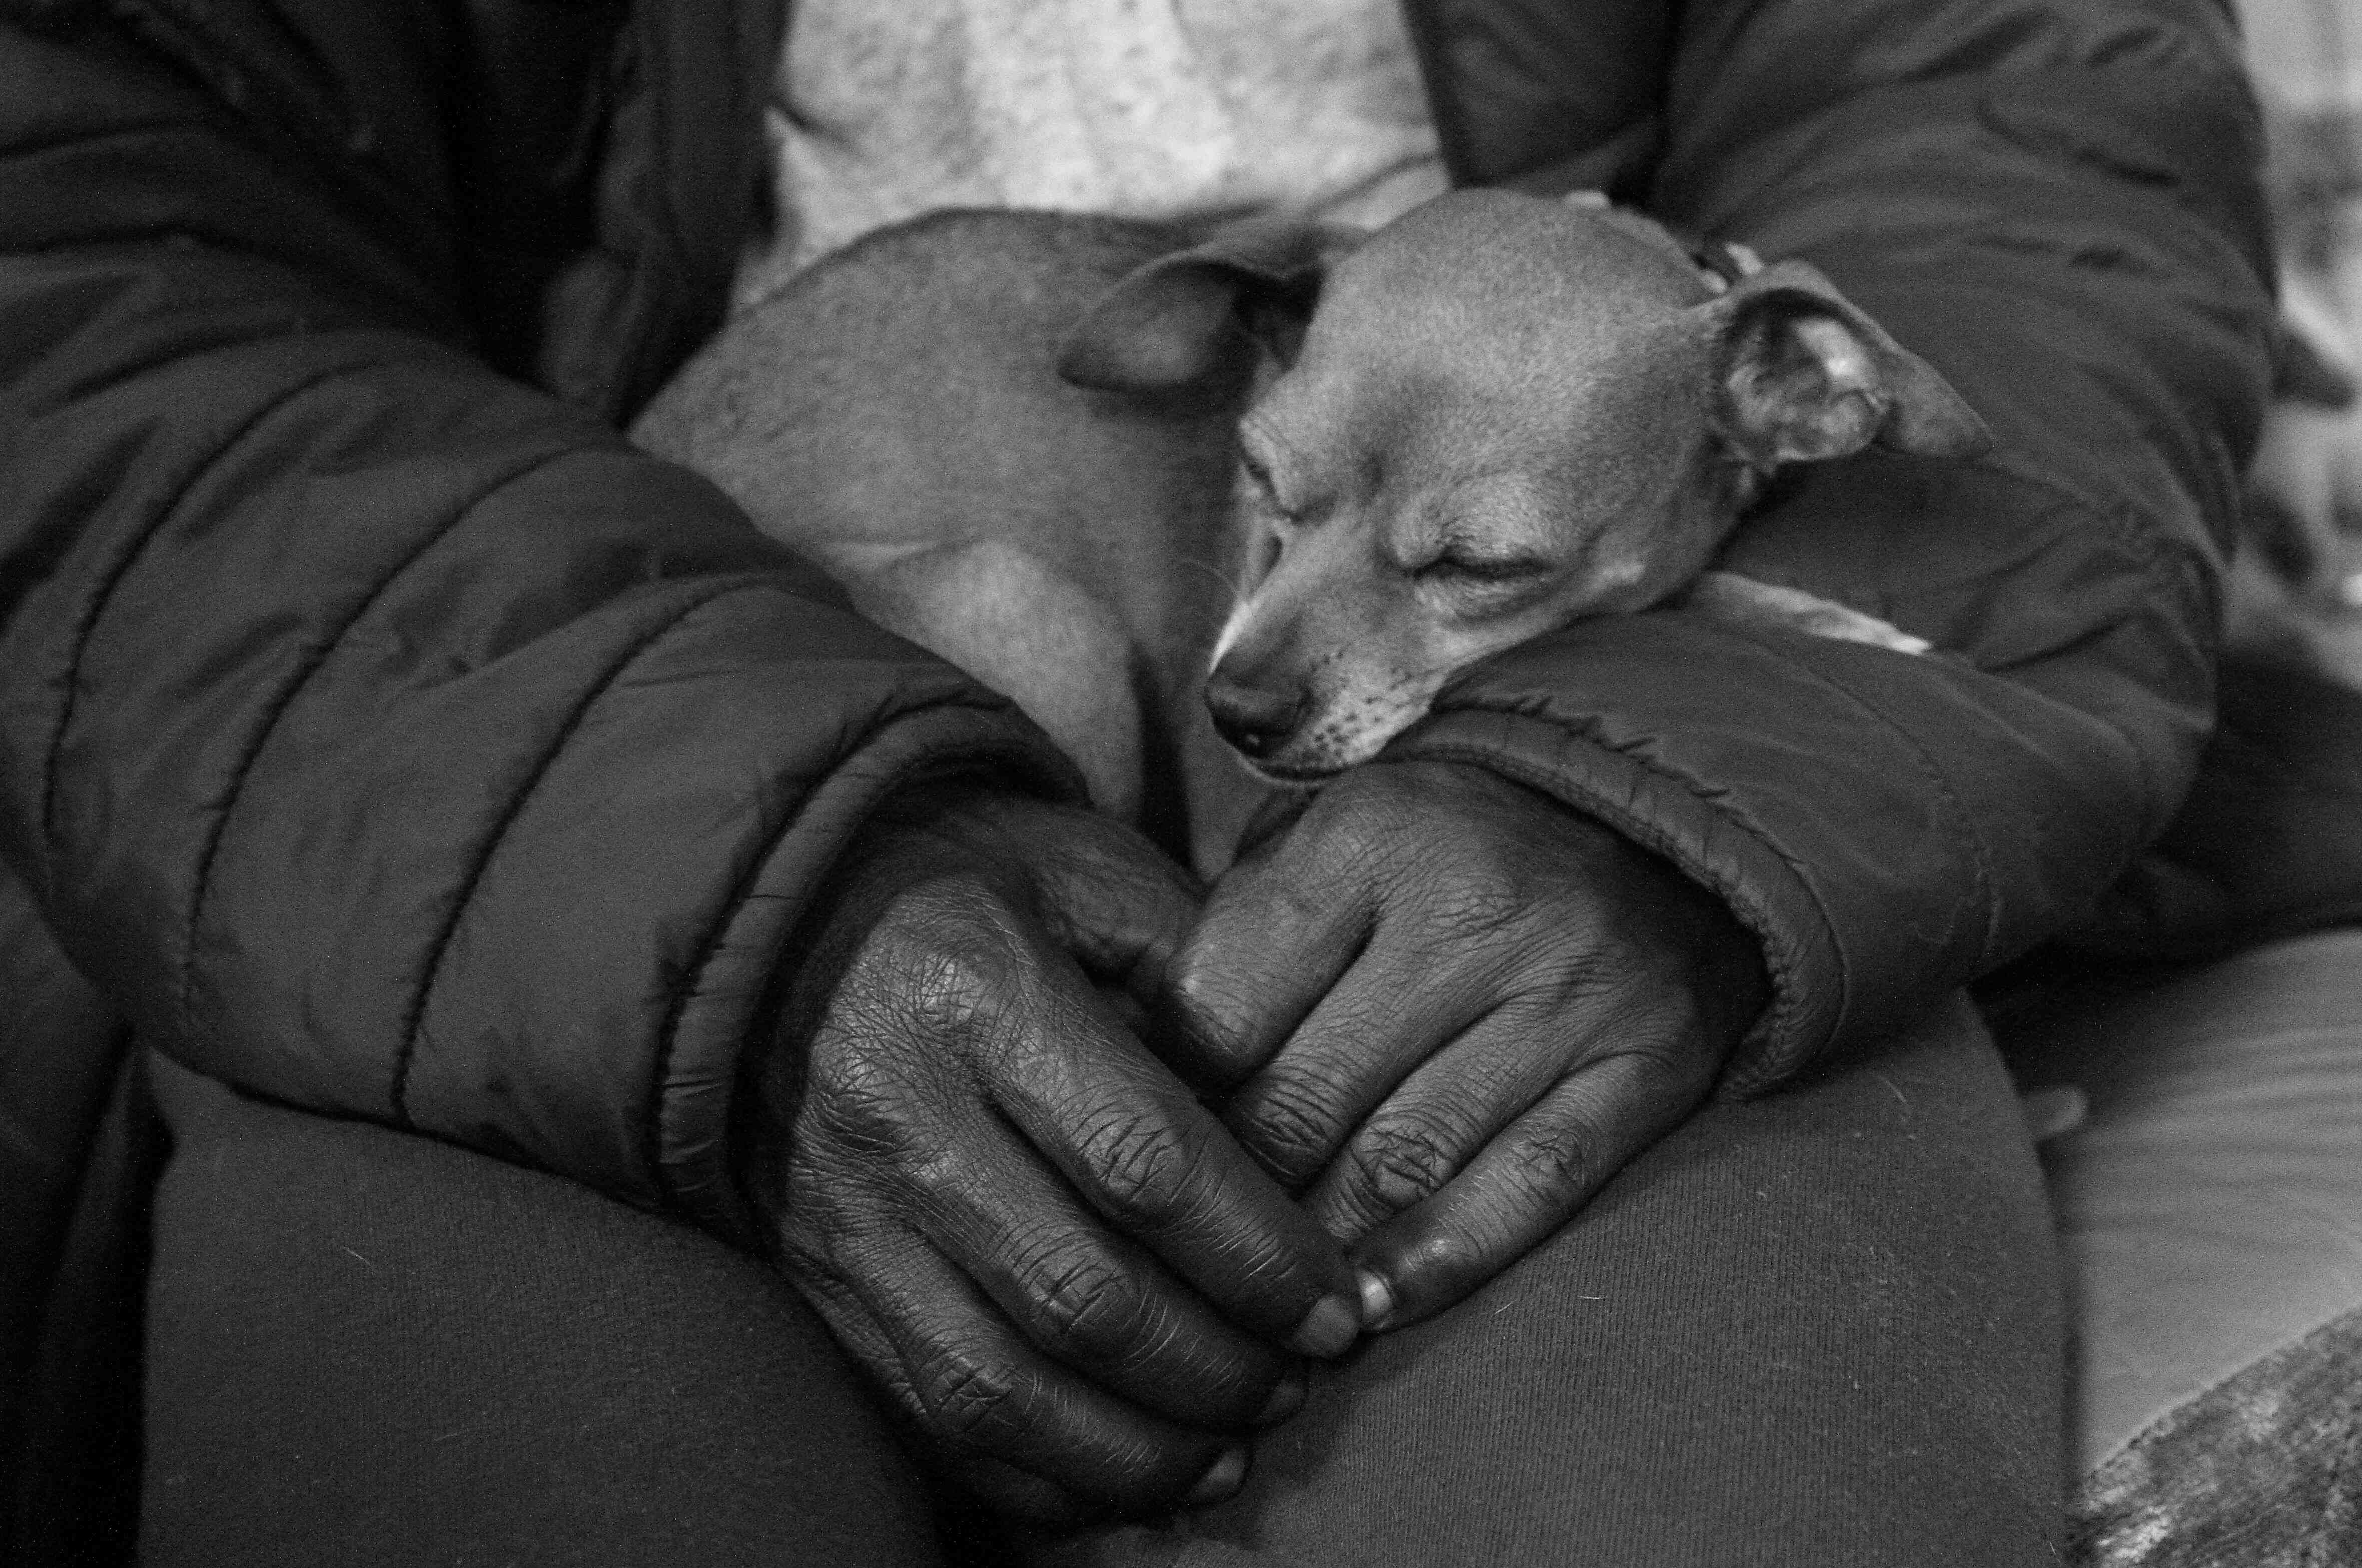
1783 1003
184 990
87 628
414 1021
741 893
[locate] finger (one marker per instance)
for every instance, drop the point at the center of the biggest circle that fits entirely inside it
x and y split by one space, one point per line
1103 1307
1521 1186
1014 1493
1021 1494
1143 1154
988 1403
1433 1122
1281 810
1387 1015
1121 908
1128 1009
859 1332
1269 944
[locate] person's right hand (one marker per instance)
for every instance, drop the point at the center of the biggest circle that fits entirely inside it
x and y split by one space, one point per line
1059 1266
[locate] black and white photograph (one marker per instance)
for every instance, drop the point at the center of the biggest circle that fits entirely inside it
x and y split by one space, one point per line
1181 783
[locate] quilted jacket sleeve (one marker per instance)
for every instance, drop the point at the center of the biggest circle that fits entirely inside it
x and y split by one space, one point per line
2055 204
386 736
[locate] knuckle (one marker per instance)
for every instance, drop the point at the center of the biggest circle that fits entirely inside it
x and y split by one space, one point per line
1482 909
1088 1301
1405 1159
852 1089
941 957
871 1116
1146 1169
955 982
870 1130
940 1181
1562 1161
963 1394
1289 1124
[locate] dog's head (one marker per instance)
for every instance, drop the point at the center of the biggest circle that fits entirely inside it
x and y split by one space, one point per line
1474 424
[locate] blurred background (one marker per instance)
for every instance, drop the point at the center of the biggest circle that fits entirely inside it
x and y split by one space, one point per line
2297 584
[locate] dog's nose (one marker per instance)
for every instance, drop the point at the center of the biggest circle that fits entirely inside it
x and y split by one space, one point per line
1251 718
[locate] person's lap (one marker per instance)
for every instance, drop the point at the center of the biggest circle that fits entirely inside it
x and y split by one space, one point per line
1820 1327
365 1347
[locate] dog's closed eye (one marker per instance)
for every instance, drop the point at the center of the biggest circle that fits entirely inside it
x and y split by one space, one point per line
1259 479
1263 493
1458 565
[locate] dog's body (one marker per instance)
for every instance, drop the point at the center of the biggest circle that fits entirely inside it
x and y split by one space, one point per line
1085 458
896 415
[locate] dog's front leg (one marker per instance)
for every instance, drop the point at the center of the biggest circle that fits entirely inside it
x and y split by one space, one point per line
1728 596
1024 628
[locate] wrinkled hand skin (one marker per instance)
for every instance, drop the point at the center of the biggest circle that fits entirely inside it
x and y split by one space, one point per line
1074 1283
1448 1009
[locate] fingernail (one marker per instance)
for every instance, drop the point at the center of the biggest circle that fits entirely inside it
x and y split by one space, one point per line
1219 1482
1378 1300
1285 1399
1328 1329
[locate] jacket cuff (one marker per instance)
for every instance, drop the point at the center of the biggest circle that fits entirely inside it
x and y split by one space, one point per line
1676 816
1886 826
723 1011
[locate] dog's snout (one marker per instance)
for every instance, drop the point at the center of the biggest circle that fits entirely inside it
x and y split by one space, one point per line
1255 720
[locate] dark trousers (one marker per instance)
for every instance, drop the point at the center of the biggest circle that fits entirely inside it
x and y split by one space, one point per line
1820 1328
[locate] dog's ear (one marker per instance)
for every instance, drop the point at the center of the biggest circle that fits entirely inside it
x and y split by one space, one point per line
1800 373
1200 315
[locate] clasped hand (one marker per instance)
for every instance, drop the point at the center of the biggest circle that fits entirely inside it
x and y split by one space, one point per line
1431 1016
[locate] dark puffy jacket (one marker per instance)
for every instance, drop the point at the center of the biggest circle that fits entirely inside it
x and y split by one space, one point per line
380 733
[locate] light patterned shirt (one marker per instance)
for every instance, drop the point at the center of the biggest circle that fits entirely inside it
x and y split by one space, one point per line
883 110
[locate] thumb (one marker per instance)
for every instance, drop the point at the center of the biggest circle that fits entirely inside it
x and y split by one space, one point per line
1116 902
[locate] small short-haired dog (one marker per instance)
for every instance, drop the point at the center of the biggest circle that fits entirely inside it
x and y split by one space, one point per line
1287 476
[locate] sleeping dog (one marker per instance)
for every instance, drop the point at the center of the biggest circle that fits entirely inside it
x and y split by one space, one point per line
1257 494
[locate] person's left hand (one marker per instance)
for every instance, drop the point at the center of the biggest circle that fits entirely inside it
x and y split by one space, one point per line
1452 1009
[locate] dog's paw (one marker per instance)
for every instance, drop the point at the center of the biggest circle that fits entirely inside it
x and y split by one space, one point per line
1728 596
